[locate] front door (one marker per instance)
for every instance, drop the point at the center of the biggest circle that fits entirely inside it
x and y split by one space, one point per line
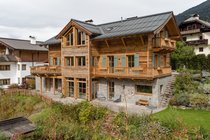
94 89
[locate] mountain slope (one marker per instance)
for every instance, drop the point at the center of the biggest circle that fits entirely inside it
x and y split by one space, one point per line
202 9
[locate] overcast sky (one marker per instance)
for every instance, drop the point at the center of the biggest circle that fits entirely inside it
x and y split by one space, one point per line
45 18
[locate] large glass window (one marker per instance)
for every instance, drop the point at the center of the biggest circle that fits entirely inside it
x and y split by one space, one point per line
82 88
69 41
111 90
143 89
69 61
81 36
131 61
81 61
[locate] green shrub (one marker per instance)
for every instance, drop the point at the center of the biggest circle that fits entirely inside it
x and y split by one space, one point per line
199 100
181 99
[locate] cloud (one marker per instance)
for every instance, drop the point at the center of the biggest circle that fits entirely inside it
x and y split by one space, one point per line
45 18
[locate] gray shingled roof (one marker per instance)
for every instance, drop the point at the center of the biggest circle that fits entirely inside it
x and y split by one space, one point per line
131 26
8 58
22 44
91 27
51 41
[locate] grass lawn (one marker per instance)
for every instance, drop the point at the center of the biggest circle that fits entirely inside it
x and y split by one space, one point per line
190 117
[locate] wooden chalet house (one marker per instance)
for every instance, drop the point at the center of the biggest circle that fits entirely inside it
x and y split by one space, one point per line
130 56
196 33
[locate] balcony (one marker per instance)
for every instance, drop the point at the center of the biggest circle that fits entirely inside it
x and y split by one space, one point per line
190 31
163 44
46 70
130 73
197 42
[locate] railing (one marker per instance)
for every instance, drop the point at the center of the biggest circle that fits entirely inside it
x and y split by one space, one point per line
134 73
56 70
160 42
197 42
190 31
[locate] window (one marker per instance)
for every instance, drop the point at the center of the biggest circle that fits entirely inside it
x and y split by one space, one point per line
184 38
143 89
111 89
81 61
95 61
70 87
189 27
4 67
23 66
82 88
69 61
194 26
18 80
201 37
131 61
201 49
81 36
4 82
70 39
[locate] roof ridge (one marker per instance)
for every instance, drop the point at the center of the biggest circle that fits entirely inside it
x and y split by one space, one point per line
136 18
17 39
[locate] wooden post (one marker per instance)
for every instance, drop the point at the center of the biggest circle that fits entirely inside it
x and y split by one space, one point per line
53 85
40 85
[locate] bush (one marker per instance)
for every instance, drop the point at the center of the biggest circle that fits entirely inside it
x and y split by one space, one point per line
199 100
13 86
182 99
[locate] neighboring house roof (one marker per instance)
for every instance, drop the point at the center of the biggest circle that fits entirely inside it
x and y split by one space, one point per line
196 19
130 26
22 44
8 58
51 41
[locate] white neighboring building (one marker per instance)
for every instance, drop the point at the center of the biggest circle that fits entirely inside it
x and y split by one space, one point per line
196 33
16 58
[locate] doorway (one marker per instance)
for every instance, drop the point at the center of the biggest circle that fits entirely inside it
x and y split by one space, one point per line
111 64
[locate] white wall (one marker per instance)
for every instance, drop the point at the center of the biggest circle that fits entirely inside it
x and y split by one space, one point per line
14 73
206 49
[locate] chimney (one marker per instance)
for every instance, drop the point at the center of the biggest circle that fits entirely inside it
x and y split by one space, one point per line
89 21
196 16
32 40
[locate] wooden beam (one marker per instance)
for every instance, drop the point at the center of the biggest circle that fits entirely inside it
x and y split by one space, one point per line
142 40
107 43
123 41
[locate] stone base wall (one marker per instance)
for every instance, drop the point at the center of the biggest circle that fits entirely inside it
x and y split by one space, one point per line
130 92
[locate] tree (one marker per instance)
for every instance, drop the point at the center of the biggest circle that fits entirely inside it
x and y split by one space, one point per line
182 56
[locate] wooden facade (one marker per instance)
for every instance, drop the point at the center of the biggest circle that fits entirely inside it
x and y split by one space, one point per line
85 59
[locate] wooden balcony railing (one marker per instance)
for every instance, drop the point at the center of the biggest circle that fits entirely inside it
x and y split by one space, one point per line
160 42
190 31
48 70
197 42
134 73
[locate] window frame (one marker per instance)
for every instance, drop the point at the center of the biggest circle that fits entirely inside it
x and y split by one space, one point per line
82 88
131 63
5 67
69 59
143 92
81 61
200 49
4 82
23 67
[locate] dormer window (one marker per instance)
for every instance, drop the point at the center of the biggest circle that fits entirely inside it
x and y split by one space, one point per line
81 36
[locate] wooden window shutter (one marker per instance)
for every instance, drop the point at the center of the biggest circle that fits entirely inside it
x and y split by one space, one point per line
153 60
58 61
115 61
159 59
123 59
136 60
104 61
51 60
